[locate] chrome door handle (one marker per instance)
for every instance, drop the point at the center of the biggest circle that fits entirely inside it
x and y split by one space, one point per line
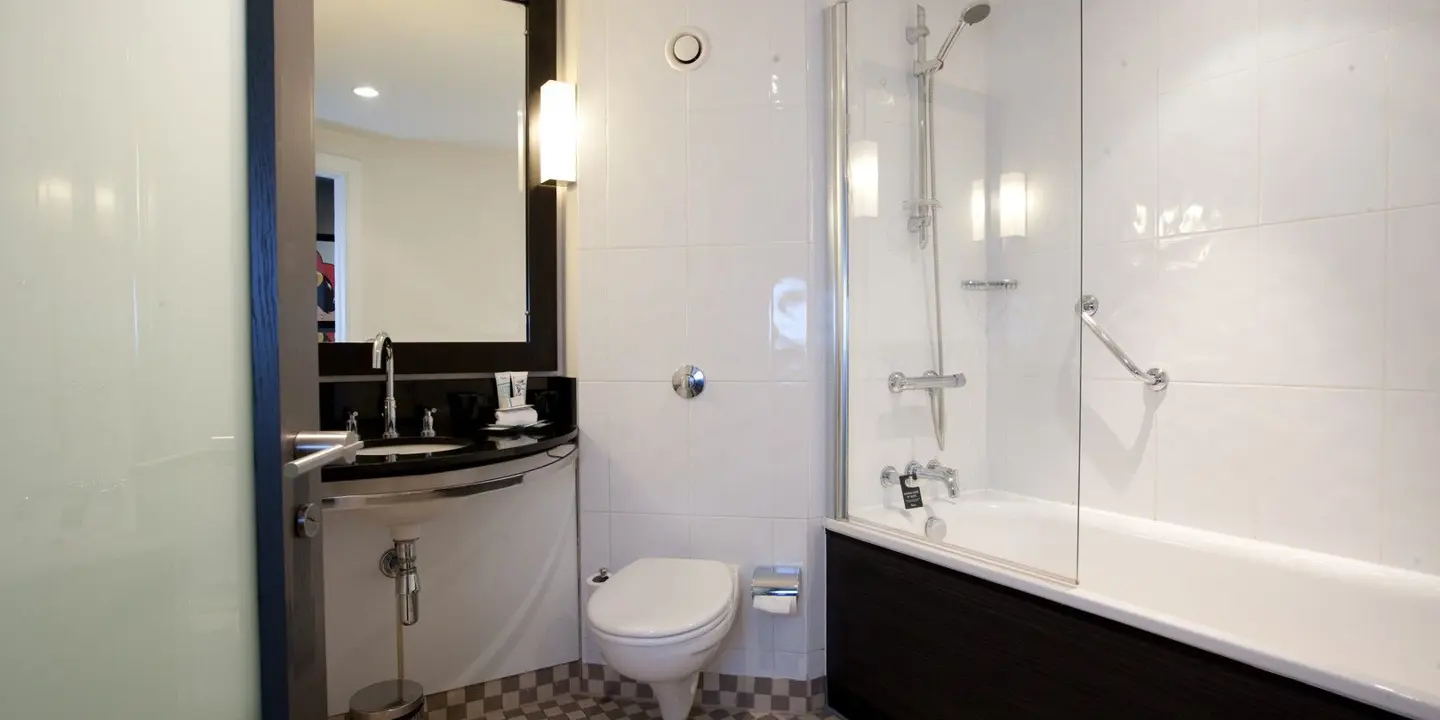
314 450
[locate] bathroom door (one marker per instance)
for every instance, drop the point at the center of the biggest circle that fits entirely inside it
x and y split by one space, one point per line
151 326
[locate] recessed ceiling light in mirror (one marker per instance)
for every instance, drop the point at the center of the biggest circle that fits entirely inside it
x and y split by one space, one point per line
365 91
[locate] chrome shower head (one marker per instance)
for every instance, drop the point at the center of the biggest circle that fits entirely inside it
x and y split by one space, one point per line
972 15
976 13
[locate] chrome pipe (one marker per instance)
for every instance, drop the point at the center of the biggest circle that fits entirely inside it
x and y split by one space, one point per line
1156 378
931 380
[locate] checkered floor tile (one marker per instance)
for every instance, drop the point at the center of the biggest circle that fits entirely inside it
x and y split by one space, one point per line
569 707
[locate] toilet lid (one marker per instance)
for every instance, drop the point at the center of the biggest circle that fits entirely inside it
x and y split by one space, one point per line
660 597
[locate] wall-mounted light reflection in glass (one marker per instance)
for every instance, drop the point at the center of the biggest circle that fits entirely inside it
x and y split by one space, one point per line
557 132
1014 204
864 178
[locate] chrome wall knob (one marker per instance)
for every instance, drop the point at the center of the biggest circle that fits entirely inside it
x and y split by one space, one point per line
688 381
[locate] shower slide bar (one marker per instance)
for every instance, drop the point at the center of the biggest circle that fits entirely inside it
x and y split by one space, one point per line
931 380
1156 378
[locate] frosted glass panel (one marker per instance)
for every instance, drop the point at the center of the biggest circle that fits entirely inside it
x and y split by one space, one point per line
125 505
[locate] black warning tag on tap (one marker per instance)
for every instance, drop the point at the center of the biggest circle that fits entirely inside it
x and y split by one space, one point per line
910 492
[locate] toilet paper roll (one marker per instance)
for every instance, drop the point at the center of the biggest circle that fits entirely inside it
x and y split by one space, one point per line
775 604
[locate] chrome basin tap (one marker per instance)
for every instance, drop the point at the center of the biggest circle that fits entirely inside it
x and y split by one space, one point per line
936 472
382 355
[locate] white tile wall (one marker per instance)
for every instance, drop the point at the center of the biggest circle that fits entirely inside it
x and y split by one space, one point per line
696 204
1290 292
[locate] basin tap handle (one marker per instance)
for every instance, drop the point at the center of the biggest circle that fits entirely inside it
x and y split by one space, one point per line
427 423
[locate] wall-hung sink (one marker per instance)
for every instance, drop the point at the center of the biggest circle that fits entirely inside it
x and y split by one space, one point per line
405 446
403 502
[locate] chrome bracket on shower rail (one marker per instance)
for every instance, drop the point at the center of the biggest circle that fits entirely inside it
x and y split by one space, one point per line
931 380
1156 378
988 285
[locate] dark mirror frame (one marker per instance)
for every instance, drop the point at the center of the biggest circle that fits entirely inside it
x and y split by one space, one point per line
541 352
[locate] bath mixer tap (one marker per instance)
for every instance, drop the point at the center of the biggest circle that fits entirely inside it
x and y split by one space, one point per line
936 472
382 354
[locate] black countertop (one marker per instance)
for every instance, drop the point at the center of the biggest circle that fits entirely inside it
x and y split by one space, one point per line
463 410
485 447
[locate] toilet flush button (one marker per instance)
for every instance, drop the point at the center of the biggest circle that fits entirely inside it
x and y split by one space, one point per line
687 48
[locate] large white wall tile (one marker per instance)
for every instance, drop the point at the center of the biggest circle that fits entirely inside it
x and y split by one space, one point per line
1288 27
748 173
1117 446
645 126
1411 536
793 425
645 310
1207 450
1294 304
649 449
757 53
636 536
594 401
1322 132
592 106
1414 113
1119 124
792 547
1317 464
748 311
1204 39
1123 279
749 450
1286 465
1209 155
1412 323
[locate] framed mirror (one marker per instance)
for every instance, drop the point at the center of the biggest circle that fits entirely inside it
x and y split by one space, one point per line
432 223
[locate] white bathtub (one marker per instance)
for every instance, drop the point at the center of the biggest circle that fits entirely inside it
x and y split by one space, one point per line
1361 630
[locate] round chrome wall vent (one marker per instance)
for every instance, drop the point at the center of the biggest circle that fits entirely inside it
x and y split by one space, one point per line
687 49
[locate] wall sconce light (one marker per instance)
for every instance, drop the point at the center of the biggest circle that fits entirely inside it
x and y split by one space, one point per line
1014 204
864 179
558 130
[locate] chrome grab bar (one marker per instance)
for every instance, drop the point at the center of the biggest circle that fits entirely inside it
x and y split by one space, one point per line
931 380
1156 378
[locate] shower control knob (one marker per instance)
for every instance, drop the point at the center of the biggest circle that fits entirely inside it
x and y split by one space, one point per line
307 521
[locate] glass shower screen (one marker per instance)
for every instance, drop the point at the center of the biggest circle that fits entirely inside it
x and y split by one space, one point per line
956 225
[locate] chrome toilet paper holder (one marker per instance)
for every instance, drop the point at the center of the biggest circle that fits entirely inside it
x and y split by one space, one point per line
775 580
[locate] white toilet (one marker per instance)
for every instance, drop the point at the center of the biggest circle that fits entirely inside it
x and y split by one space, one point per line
659 620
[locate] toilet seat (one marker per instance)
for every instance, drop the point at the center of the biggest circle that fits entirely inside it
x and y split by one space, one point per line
663 600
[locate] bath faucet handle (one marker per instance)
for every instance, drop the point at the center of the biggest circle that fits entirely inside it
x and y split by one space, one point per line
427 423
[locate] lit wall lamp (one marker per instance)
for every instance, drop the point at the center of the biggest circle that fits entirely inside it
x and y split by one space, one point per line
864 179
1014 204
558 130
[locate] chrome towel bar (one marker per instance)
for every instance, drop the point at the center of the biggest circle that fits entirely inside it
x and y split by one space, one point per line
1156 378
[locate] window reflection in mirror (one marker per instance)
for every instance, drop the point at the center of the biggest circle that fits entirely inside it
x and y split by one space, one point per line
419 140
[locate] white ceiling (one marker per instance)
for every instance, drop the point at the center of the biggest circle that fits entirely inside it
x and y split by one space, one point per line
448 70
